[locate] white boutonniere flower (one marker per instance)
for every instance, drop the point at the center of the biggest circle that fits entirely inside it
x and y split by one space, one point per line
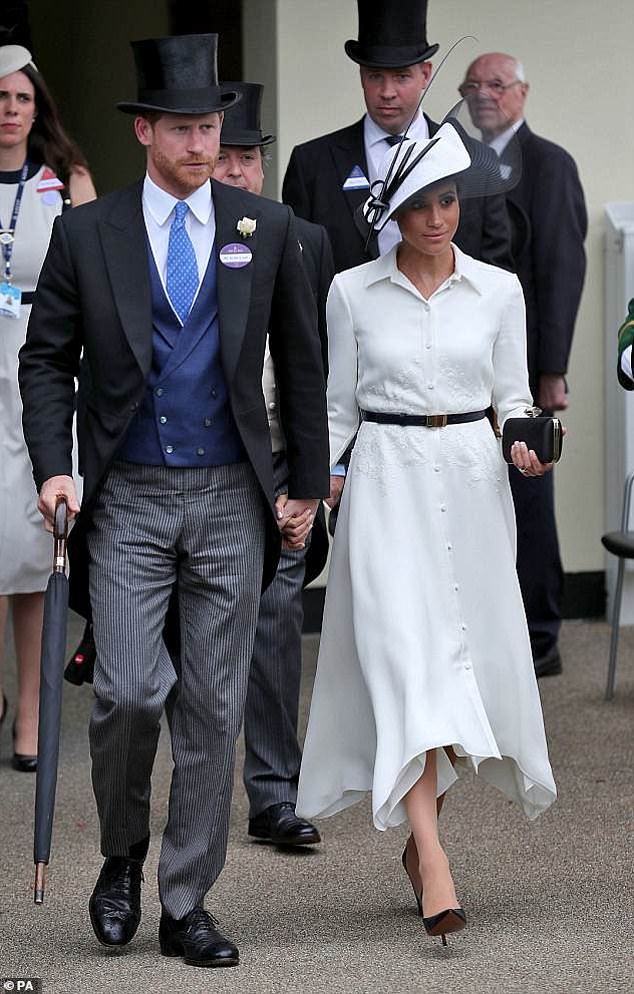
246 226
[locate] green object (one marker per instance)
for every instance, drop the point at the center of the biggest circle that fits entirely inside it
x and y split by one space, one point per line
626 338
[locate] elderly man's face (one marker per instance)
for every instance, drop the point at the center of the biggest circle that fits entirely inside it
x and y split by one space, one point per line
494 94
241 167
392 95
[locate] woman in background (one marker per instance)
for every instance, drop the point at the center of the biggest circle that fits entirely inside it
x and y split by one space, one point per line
41 172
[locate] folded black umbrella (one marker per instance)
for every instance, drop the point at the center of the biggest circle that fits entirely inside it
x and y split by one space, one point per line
51 672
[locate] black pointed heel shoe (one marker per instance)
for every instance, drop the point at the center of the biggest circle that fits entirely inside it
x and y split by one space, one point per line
451 920
409 859
21 762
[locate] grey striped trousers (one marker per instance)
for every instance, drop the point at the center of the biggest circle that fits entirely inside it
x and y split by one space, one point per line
153 526
272 752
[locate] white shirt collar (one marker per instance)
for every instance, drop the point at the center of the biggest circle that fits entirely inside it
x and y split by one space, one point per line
500 142
385 267
160 203
374 134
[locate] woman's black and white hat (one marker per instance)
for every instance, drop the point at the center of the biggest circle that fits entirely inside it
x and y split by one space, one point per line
13 58
455 150
411 167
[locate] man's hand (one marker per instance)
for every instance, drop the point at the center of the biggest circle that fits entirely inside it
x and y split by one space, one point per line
551 392
336 488
54 487
295 520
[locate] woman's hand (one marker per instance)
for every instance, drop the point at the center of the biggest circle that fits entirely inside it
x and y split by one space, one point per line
336 487
295 520
527 462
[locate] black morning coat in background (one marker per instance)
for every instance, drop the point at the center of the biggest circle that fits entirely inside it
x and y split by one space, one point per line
550 223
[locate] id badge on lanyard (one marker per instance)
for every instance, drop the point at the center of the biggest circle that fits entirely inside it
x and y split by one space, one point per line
11 296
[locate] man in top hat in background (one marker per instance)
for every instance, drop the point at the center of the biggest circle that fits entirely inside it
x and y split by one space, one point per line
329 177
272 752
170 288
549 224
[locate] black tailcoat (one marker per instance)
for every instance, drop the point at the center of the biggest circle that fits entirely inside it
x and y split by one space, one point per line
320 269
93 301
313 186
549 222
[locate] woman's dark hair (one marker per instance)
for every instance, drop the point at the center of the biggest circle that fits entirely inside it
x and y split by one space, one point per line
446 180
48 141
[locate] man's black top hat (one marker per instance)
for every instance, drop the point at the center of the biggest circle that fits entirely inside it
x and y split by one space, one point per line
241 125
392 33
178 75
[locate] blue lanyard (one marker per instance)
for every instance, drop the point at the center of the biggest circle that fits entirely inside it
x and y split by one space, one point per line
7 235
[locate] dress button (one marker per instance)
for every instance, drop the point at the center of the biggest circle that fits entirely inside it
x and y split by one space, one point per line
463 628
163 419
428 346
159 392
214 393
456 587
200 452
430 386
134 407
207 422
169 449
443 507
449 546
436 469
467 666
272 405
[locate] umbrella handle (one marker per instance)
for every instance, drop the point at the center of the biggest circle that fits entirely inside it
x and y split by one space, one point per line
60 533
40 883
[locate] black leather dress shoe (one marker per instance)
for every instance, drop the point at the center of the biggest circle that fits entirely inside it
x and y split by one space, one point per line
115 903
280 825
548 665
196 938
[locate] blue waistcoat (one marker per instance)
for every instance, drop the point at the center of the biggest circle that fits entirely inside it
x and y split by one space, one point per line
185 418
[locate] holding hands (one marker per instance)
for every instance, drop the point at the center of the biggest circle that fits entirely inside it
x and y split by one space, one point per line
295 519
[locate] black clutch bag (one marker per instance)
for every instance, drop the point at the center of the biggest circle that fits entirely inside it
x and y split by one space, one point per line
542 434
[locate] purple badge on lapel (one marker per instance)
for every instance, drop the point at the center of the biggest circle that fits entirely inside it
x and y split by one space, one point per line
235 255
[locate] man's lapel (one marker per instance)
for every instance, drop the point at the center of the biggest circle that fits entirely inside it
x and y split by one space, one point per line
234 284
347 152
125 249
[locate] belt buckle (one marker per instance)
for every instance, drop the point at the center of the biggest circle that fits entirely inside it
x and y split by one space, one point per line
437 421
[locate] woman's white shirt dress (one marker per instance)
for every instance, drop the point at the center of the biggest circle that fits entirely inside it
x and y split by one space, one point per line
424 639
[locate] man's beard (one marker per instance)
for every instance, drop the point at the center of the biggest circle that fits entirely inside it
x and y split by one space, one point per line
180 176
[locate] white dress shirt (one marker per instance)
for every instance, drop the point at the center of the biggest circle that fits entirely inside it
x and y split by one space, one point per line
500 141
200 222
375 149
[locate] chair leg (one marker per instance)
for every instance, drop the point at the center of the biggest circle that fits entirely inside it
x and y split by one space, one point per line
614 640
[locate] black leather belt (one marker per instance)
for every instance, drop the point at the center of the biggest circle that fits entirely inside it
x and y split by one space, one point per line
422 420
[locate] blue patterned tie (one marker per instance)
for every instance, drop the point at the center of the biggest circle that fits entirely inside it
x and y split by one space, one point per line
182 271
